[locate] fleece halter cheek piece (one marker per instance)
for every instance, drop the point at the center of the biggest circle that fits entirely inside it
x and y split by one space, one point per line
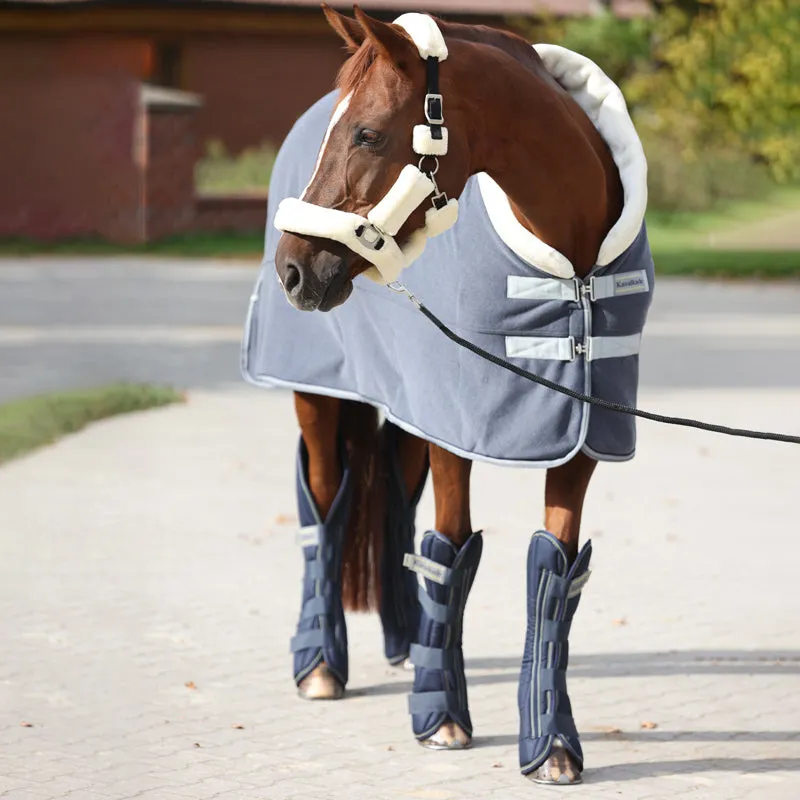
373 237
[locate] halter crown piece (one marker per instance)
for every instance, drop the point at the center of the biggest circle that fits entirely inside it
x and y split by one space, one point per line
372 237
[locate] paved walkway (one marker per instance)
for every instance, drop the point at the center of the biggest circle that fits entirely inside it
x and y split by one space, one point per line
149 584
77 322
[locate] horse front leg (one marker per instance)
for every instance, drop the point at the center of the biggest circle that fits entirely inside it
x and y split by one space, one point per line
448 560
323 498
549 746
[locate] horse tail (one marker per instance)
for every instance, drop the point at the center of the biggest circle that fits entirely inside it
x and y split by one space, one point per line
361 560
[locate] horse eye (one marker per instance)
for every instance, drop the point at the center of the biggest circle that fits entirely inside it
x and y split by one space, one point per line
368 138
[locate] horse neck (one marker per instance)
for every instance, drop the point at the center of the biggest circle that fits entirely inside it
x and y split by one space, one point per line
541 148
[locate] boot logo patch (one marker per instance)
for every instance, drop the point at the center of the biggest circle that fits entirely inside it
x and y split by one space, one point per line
437 573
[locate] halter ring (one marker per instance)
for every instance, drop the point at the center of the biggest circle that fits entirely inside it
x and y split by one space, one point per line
431 173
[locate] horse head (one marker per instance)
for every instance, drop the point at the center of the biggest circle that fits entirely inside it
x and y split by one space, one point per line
379 189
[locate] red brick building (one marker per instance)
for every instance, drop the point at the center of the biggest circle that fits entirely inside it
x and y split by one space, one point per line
86 150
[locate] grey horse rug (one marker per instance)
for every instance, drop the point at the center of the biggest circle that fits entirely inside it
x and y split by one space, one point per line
495 284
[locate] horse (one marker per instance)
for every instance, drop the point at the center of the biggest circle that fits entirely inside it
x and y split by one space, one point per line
541 166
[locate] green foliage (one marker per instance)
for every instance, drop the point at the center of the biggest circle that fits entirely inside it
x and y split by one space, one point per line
617 46
713 87
221 173
38 421
678 184
725 78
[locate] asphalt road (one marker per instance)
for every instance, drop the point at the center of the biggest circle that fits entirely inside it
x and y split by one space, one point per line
67 323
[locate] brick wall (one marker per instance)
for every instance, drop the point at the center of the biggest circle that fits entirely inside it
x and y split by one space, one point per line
69 159
255 87
79 157
172 151
231 213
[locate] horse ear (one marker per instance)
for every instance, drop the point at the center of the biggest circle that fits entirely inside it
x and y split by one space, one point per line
391 41
348 29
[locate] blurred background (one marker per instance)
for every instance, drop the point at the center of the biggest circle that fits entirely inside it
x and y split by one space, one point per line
148 571
137 142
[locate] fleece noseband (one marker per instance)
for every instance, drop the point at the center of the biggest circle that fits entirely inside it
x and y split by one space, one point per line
373 237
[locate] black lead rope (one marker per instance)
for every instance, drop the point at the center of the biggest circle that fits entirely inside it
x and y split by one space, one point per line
586 398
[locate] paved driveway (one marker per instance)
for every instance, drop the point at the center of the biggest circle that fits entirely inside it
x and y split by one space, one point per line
77 322
149 580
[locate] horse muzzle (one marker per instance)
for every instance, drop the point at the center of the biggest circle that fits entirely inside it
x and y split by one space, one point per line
313 279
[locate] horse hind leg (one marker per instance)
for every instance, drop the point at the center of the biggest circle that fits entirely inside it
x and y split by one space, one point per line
549 745
406 467
448 560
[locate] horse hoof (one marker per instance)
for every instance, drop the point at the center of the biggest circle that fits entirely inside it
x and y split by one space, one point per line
449 737
560 769
320 684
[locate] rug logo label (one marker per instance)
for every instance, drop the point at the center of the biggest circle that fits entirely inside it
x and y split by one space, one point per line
631 283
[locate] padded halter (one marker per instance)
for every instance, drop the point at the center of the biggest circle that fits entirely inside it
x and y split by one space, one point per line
373 237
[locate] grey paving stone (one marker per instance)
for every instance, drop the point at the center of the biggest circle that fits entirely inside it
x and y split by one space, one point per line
155 551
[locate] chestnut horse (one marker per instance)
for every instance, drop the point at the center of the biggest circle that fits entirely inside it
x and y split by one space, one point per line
508 118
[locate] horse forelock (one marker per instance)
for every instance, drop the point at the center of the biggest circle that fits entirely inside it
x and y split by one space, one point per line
355 69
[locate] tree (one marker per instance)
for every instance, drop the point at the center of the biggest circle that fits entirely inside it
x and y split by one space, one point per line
727 76
617 46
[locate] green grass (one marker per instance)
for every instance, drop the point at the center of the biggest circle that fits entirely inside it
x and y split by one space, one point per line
249 172
706 263
37 421
679 230
198 245
681 242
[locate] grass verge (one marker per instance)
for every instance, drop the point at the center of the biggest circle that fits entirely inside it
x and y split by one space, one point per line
37 421
702 263
196 245
681 242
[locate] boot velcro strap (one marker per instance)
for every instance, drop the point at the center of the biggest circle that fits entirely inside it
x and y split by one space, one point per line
552 680
556 631
307 639
308 536
432 657
437 612
429 569
576 585
565 589
558 725
434 703
315 569
314 607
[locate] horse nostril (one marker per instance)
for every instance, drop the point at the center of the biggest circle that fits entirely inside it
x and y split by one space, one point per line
292 279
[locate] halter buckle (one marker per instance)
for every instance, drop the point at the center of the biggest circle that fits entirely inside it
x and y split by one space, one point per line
370 236
434 109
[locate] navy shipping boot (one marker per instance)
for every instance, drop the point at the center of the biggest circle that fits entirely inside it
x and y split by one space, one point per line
399 606
440 685
321 631
546 723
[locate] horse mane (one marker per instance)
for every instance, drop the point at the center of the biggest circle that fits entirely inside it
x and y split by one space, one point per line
355 69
